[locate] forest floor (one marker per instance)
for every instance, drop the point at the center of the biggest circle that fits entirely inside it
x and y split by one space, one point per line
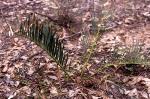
26 72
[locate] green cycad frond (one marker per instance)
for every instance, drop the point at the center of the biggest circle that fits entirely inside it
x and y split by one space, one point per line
43 34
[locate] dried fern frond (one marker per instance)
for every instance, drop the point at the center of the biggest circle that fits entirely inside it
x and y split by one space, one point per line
43 34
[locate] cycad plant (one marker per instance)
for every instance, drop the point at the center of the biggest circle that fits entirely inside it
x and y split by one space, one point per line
44 35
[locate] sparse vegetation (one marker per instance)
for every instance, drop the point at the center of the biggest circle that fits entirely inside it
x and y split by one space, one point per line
100 46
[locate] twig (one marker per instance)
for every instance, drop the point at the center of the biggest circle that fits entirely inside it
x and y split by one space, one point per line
67 37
